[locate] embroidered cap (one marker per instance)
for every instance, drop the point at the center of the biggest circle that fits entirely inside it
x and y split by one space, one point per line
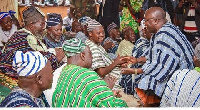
32 14
28 63
73 46
112 26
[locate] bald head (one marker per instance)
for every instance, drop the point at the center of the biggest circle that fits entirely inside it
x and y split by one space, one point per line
156 12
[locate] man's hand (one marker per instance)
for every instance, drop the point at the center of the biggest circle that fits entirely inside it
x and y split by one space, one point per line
108 45
116 93
59 54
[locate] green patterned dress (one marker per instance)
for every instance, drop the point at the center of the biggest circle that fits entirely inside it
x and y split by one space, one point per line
127 19
81 87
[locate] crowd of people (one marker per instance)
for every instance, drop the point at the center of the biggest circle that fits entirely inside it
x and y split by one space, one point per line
105 53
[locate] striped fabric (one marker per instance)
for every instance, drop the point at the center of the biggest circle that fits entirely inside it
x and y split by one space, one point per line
92 24
113 49
81 87
28 63
5 14
141 45
51 44
169 51
100 58
20 98
18 42
182 90
125 48
73 46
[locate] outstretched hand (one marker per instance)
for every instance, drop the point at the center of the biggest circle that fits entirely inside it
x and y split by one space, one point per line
116 93
127 71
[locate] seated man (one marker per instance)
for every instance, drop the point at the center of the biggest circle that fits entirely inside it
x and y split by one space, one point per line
110 44
78 86
28 39
169 51
54 37
7 28
34 76
183 88
126 46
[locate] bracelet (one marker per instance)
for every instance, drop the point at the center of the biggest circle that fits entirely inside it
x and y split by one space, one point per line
135 71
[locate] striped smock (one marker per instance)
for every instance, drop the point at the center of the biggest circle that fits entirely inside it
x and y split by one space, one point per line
101 59
20 98
169 51
182 89
81 87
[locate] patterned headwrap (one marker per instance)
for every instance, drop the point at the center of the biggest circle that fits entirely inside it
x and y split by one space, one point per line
5 14
112 26
28 63
53 21
197 51
32 14
92 24
73 46
83 20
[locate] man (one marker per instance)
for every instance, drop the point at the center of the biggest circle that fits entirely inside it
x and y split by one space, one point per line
189 22
126 46
54 36
79 86
182 89
81 8
110 44
169 51
7 28
28 39
34 76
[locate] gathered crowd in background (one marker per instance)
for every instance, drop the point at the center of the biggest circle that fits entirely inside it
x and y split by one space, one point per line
104 53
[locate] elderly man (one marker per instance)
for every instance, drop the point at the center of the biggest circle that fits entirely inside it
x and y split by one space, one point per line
28 39
183 88
7 28
79 86
34 76
126 46
54 37
169 51
110 44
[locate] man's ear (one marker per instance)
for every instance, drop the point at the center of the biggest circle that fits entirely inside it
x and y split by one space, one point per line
39 79
156 21
82 55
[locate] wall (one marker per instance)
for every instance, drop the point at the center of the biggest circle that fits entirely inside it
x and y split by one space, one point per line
7 5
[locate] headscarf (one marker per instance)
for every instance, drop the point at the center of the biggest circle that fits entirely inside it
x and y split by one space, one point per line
112 26
32 14
73 46
28 63
5 14
92 24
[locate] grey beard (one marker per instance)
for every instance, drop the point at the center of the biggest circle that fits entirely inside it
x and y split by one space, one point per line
54 38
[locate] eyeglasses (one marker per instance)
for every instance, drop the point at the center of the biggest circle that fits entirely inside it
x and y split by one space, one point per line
145 20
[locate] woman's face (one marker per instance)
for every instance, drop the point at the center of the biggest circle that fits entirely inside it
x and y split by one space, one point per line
97 35
6 23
